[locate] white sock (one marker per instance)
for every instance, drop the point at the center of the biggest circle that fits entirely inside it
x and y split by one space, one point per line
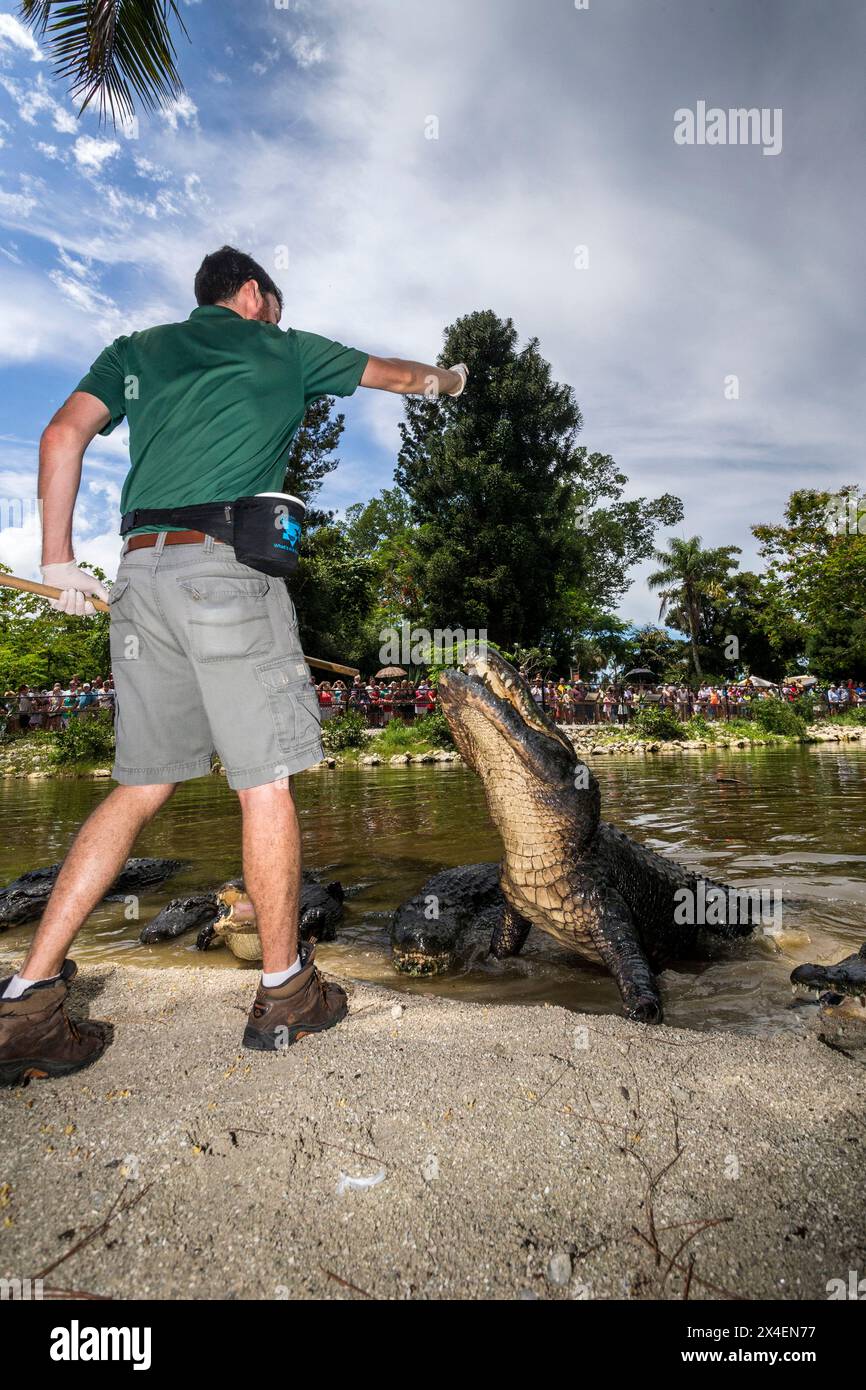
17 985
279 977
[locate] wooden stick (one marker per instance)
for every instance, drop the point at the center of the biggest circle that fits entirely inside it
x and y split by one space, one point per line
30 586
331 666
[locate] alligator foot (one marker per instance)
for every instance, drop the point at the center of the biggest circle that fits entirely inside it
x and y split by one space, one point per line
510 934
618 944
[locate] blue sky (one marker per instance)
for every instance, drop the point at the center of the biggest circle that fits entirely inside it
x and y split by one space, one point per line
303 132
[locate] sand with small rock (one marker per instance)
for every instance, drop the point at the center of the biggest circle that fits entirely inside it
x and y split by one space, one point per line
502 1152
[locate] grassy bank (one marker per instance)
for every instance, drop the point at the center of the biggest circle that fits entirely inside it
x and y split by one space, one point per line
661 732
85 748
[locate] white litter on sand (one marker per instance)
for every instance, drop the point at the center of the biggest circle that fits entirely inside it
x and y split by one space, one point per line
349 1184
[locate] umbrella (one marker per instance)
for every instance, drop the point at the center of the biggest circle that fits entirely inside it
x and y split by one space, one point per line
388 673
761 684
805 681
640 673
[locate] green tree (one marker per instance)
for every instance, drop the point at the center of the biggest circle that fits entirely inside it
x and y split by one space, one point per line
335 586
313 454
762 645
816 580
519 529
382 530
334 590
654 648
39 646
687 578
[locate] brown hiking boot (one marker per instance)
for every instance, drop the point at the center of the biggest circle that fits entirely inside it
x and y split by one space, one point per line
38 1039
304 1004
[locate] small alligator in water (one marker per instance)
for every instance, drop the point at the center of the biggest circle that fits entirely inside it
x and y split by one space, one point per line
841 994
428 929
25 897
847 977
321 908
564 870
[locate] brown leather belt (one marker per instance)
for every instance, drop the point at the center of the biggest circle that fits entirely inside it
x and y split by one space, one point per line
171 538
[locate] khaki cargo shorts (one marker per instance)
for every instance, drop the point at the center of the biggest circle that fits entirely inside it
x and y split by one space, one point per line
206 658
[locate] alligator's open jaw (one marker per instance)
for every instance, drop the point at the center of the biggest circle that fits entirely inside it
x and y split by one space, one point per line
421 962
486 678
847 979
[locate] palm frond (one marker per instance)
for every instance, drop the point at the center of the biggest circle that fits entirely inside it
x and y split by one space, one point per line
111 51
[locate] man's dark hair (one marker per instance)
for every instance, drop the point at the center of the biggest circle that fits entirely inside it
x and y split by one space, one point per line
223 272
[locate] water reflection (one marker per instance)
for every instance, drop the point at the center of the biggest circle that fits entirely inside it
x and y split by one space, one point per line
790 819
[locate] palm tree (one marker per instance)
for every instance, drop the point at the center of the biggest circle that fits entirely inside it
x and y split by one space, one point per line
687 577
113 51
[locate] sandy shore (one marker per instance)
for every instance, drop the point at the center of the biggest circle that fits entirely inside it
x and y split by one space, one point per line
526 1152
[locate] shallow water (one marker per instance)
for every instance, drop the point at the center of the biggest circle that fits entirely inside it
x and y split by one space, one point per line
789 819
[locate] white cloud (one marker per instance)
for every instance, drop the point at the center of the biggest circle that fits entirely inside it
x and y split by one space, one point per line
95 537
91 152
13 34
148 170
699 265
183 110
38 324
81 267
33 98
86 297
18 205
307 51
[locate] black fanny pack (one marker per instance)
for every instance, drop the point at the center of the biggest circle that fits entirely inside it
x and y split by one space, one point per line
265 530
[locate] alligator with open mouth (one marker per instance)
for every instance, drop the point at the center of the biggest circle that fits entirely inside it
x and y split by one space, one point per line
564 870
840 991
227 914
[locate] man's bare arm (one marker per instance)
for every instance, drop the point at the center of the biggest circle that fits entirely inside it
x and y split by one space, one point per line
61 452
411 378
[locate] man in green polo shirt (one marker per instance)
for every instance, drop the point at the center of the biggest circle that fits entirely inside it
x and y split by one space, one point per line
205 651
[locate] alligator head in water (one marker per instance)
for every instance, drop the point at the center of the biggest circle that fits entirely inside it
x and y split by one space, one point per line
26 897
319 911
841 994
848 977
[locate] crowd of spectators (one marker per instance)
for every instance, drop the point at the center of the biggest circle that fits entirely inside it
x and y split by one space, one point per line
29 708
568 700
378 701
576 702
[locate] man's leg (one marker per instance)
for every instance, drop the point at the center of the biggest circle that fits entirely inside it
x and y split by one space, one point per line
292 1001
98 853
272 869
37 1038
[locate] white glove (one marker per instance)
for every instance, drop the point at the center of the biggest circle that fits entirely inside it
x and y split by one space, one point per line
463 372
76 585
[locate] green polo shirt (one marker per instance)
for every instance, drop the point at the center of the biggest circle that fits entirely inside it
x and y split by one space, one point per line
214 403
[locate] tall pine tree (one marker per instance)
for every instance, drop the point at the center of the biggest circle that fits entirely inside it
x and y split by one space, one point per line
513 532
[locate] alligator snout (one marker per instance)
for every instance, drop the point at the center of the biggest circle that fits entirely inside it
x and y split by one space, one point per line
848 976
